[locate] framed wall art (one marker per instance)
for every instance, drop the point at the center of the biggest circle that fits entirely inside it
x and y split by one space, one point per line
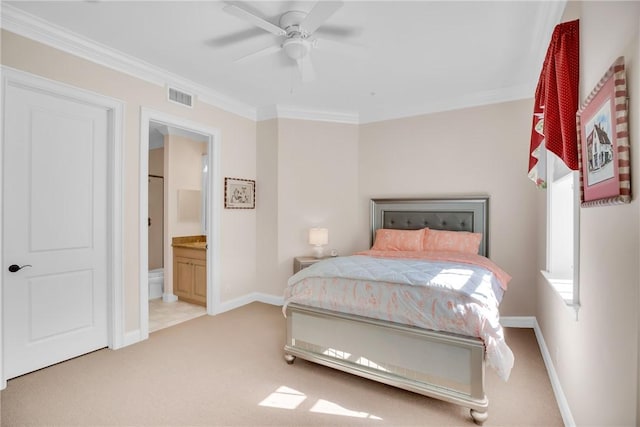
239 193
603 141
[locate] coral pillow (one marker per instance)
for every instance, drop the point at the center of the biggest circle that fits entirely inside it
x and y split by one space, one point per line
455 241
398 240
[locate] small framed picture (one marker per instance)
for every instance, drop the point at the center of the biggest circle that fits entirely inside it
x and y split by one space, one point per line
603 141
239 193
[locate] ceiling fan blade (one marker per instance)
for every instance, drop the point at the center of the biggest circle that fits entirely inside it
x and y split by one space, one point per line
237 37
350 49
320 13
262 52
307 73
253 19
339 31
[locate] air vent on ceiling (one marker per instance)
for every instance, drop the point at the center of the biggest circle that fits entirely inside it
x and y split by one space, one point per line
180 97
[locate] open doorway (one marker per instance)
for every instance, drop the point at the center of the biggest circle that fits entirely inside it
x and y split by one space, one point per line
179 221
177 193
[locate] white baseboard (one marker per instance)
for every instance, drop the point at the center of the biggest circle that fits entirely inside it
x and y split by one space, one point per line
563 404
518 321
532 322
248 299
268 299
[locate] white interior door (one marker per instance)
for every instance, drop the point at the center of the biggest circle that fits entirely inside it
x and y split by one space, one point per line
55 221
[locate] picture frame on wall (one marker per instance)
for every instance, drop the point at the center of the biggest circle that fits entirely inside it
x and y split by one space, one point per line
239 193
603 141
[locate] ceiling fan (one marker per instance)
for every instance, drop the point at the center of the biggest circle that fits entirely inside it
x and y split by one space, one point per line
296 29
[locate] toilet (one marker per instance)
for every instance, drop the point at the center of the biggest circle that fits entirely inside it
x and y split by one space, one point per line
156 283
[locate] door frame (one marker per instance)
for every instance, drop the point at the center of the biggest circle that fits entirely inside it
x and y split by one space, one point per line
213 208
115 137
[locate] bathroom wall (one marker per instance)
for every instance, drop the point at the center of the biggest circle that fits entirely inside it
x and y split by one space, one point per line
182 177
156 208
156 161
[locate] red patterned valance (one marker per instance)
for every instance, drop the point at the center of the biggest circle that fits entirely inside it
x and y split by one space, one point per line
556 103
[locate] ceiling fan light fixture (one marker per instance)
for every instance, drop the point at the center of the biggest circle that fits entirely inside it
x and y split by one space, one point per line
297 28
296 48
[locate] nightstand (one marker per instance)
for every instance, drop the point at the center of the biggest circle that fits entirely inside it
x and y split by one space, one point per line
301 262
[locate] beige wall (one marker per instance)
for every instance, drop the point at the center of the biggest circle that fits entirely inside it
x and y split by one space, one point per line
267 268
475 151
596 356
156 161
156 208
183 172
312 170
238 158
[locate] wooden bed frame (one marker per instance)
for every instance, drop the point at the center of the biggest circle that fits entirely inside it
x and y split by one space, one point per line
440 365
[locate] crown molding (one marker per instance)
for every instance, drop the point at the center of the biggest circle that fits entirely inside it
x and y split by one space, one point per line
19 22
477 99
300 113
27 25
547 19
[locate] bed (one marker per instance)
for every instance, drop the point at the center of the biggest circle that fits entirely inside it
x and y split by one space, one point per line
396 345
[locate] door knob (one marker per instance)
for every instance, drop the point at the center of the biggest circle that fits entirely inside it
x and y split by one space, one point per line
15 267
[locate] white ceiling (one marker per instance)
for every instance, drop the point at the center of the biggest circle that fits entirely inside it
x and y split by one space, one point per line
412 57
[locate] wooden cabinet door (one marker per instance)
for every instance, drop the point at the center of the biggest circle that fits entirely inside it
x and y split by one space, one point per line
199 280
190 275
183 282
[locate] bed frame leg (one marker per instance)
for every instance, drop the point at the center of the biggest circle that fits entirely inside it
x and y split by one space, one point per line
479 417
289 358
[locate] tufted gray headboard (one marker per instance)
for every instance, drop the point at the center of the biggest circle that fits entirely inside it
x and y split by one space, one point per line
460 214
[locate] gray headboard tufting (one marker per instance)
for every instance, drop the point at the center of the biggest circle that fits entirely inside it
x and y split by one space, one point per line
460 214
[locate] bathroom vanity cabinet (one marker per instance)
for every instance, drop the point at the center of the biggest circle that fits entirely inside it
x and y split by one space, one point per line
190 271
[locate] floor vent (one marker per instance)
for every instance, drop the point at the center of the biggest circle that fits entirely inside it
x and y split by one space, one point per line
180 97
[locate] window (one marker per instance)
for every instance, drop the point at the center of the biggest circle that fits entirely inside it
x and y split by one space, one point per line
563 230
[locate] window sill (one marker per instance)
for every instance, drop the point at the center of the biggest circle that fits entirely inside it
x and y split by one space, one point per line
563 286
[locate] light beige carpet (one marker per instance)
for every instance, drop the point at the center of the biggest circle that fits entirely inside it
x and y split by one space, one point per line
228 370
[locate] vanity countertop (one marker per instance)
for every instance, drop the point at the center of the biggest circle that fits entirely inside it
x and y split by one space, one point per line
190 242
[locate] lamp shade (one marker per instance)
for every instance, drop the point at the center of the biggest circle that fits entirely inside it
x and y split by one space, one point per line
318 236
